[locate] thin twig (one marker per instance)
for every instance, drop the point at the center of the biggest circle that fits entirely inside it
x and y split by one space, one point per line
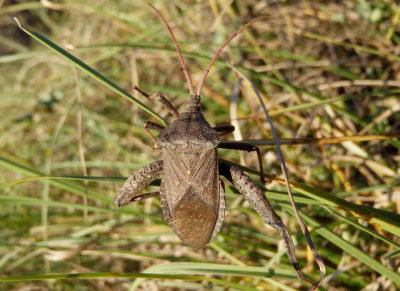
80 142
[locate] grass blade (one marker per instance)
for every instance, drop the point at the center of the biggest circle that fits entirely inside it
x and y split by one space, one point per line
92 72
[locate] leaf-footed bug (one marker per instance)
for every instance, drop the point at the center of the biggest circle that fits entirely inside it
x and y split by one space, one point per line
191 192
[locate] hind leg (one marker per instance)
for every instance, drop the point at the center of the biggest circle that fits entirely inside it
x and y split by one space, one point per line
137 182
255 196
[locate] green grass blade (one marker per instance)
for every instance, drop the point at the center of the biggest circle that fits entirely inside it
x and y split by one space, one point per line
350 249
381 217
92 72
18 167
40 202
365 229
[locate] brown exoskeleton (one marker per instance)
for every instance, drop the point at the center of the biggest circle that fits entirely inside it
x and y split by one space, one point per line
191 192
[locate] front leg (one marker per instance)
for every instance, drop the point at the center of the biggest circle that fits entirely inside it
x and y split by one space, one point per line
253 193
147 125
162 99
137 182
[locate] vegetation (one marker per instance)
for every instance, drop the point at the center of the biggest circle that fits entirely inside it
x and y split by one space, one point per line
328 72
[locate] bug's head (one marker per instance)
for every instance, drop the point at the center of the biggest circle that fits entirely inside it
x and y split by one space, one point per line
194 104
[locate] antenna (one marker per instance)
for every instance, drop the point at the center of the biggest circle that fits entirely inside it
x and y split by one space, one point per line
185 71
220 50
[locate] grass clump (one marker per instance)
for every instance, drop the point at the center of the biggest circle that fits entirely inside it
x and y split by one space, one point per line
328 73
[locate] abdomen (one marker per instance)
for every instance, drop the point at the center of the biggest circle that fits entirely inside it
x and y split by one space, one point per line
190 194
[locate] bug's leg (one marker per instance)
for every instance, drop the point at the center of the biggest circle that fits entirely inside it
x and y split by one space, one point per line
144 196
137 182
147 125
255 196
152 125
162 99
245 147
224 129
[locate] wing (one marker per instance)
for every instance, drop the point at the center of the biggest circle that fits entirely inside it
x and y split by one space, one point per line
192 199
198 170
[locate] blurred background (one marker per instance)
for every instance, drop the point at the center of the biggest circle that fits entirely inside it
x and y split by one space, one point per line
328 72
